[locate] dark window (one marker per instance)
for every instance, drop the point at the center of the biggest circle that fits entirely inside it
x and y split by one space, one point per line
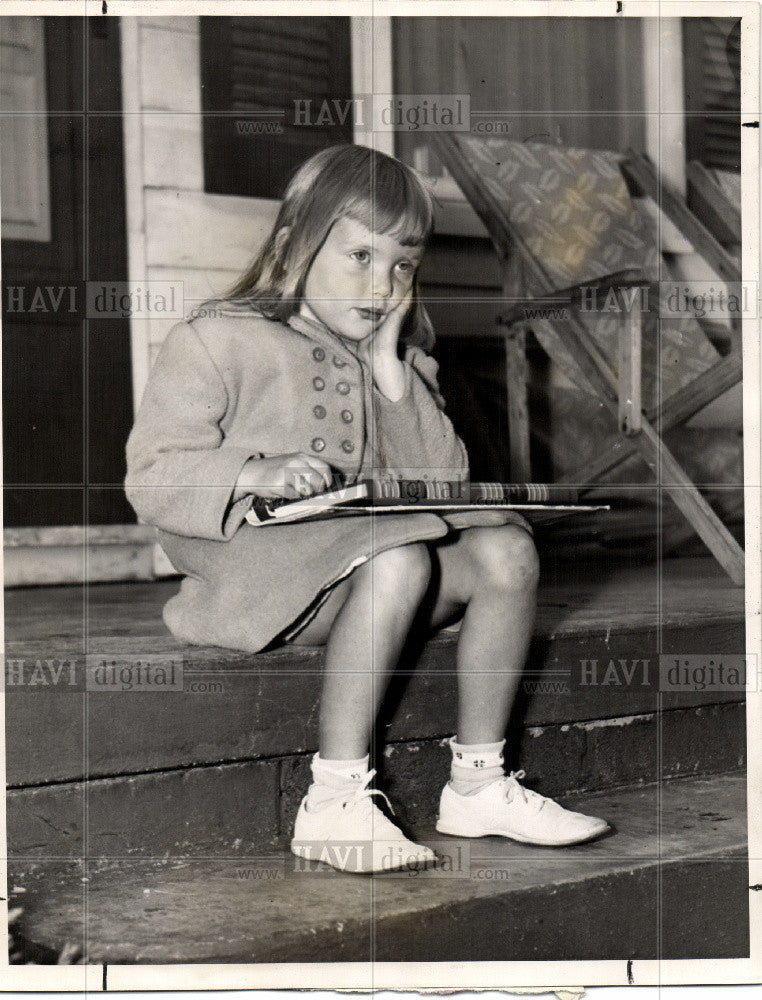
275 90
712 55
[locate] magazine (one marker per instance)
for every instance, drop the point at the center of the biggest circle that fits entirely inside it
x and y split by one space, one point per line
540 501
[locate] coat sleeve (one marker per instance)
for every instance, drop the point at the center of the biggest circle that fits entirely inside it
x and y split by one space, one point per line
416 439
180 477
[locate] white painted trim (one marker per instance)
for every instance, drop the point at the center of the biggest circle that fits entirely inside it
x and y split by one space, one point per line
23 60
132 127
664 104
371 47
76 554
664 98
77 534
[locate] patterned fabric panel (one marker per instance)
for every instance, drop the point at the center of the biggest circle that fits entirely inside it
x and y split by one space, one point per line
675 351
570 207
572 210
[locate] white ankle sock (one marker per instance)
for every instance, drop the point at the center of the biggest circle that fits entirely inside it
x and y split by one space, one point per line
475 765
334 776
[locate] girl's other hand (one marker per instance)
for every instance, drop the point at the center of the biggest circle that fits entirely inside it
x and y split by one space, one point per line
287 476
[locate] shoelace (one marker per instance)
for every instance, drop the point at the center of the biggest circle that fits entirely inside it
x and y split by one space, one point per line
513 781
363 793
360 794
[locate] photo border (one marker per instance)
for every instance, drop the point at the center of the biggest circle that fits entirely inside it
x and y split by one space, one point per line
480 975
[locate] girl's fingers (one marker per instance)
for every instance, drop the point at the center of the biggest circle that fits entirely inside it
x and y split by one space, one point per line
322 468
388 332
318 471
290 476
293 489
309 475
286 492
405 302
397 315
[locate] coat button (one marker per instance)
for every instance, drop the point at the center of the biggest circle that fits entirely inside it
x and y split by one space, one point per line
348 447
318 444
318 354
342 387
339 362
346 416
319 411
319 383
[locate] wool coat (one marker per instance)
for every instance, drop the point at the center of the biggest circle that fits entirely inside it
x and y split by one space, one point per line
231 386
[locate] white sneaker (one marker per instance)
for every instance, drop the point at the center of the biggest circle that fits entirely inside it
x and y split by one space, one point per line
507 809
352 834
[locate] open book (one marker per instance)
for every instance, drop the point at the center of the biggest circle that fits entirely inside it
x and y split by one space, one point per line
539 501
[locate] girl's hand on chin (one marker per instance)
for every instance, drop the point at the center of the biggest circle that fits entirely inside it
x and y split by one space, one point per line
380 351
383 341
289 476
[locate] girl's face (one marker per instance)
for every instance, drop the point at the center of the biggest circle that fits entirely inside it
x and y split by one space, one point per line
357 278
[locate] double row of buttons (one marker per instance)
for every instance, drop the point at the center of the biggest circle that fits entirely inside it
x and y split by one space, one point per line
320 413
318 444
343 388
319 355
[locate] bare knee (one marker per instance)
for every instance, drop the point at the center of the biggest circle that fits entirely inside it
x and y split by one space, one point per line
505 557
403 573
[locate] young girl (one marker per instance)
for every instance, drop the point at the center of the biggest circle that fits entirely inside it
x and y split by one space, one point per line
315 367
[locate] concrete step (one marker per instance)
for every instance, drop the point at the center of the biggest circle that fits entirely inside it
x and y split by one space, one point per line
210 810
123 771
670 882
236 708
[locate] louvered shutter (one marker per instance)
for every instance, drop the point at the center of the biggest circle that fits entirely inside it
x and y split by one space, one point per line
253 71
712 52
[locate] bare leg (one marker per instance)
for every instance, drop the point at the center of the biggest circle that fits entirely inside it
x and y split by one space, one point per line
493 573
490 574
366 622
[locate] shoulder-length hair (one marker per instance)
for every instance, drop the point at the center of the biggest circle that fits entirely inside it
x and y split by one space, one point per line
374 189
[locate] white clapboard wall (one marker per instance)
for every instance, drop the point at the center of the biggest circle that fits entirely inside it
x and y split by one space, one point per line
176 232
